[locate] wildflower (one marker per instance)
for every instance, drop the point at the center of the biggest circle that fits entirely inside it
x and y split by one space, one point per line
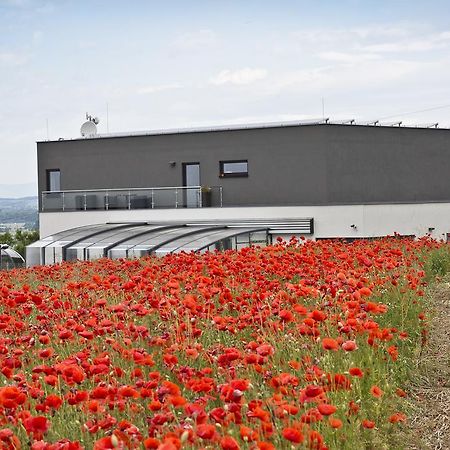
293 435
376 391
330 344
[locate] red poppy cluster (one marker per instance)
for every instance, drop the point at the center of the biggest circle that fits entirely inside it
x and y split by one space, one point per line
299 344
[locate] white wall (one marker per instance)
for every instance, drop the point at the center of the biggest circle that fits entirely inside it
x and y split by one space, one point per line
329 221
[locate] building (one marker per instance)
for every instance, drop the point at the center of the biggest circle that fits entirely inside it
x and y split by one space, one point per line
319 179
12 227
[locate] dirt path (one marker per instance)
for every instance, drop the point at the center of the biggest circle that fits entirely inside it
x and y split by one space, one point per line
429 425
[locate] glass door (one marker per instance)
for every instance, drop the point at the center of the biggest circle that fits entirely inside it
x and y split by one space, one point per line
191 177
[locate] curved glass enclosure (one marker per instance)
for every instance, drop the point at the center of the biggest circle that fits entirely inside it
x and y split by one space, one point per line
137 239
9 258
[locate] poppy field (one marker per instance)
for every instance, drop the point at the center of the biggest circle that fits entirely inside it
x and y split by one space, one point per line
298 345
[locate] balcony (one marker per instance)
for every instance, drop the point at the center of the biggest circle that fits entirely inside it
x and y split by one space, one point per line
136 198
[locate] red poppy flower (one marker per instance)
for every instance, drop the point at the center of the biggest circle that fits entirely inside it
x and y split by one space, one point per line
206 431
376 391
109 443
262 445
401 392
293 435
335 423
53 401
228 443
151 443
330 344
326 410
36 425
356 372
349 346
11 397
248 434
397 417
369 424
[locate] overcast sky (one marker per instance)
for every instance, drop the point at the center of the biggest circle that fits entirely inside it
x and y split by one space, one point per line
185 63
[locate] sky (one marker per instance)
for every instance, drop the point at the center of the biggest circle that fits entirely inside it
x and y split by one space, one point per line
142 65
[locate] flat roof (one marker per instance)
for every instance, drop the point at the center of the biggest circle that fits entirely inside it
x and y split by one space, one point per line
253 126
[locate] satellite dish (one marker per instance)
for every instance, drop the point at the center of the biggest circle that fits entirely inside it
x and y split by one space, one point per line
88 129
96 120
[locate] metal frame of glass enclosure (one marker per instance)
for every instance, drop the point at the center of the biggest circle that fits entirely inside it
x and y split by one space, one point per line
136 239
9 258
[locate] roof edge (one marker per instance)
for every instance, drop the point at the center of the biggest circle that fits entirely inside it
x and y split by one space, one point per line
238 127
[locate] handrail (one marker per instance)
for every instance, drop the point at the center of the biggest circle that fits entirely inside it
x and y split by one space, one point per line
128 189
65 198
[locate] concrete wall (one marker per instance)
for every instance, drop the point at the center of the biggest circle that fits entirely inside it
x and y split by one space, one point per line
329 221
300 165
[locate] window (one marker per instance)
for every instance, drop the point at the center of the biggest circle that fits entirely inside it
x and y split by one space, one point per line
234 168
53 180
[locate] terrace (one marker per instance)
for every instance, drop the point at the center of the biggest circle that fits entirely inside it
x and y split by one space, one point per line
135 198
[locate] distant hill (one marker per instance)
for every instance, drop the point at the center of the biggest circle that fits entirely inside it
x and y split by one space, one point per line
19 210
18 190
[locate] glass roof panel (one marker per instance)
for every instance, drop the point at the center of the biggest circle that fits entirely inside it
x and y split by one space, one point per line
71 235
117 236
205 239
112 241
88 232
170 235
143 238
72 231
145 245
186 241
106 238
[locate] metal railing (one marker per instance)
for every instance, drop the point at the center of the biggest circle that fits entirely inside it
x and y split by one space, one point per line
135 198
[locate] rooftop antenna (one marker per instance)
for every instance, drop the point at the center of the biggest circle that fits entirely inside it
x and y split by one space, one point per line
107 117
323 108
48 138
89 128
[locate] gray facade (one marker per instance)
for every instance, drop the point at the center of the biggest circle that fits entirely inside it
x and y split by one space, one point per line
322 164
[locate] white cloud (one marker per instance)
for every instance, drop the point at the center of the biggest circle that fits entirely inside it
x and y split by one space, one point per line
239 76
433 41
8 59
347 76
195 39
158 88
319 37
374 39
347 58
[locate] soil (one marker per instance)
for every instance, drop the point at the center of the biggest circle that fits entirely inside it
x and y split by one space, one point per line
429 393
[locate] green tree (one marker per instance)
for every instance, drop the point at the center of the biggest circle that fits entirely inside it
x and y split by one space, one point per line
6 238
19 240
22 238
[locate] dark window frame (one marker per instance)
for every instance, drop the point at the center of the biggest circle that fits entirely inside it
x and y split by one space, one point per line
48 172
223 174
